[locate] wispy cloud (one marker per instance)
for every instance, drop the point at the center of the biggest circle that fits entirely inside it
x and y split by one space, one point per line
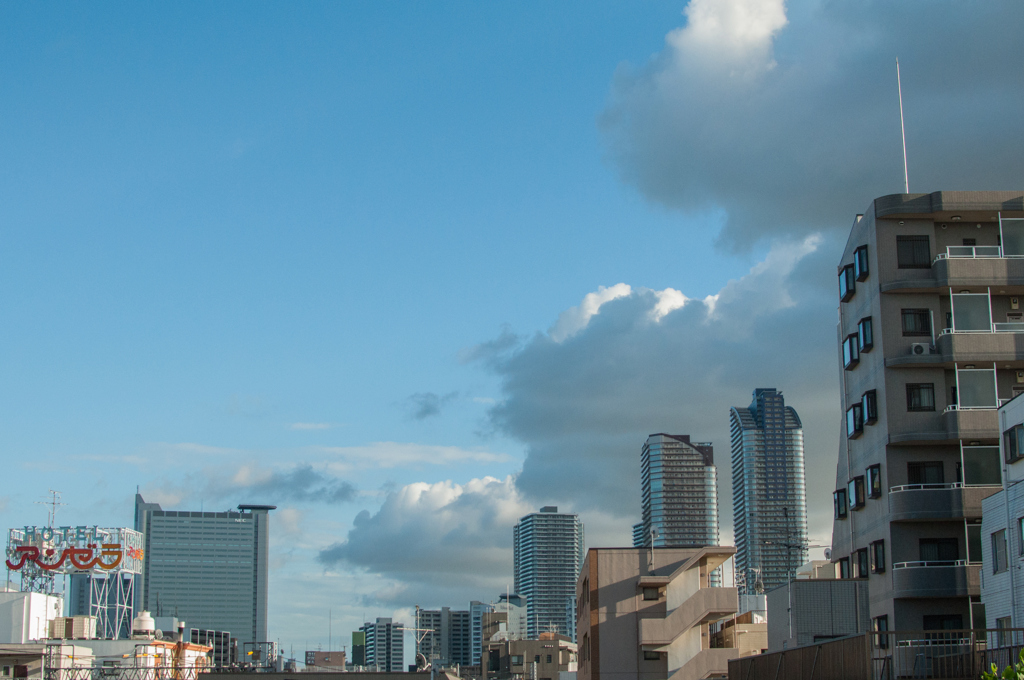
396 454
428 404
311 426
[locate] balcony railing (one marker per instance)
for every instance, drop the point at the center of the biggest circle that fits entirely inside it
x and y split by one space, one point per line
930 487
988 252
934 563
998 327
957 407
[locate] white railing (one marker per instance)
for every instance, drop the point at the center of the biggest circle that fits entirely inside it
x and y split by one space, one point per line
957 407
932 487
933 563
999 327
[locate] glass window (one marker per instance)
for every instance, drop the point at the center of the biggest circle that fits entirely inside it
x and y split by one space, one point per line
921 397
651 656
916 322
874 481
851 352
854 421
860 263
1020 534
1012 231
925 473
913 252
878 557
974 543
860 562
881 625
999 563
981 466
839 503
869 407
971 312
652 594
1013 444
943 622
548 659
976 387
865 334
855 490
847 283
939 549
844 567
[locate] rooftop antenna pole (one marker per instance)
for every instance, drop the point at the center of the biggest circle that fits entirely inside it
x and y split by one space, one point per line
903 130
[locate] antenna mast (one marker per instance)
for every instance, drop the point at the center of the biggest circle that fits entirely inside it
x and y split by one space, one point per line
903 130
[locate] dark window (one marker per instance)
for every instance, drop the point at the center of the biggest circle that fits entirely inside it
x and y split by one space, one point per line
651 656
913 252
970 241
1013 444
860 263
851 353
860 559
869 406
925 473
921 397
865 334
943 622
652 594
878 557
916 322
847 283
855 489
844 567
974 542
549 658
999 562
939 549
1020 534
536 658
839 503
874 481
854 421
882 626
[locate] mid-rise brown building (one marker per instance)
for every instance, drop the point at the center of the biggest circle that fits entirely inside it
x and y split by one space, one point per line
931 341
542 659
644 613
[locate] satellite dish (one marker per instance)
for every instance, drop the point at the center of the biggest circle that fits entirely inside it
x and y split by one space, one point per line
828 554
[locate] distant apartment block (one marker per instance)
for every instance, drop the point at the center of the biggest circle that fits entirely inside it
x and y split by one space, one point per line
930 344
768 490
507 619
209 569
678 492
547 553
549 658
645 613
384 645
449 641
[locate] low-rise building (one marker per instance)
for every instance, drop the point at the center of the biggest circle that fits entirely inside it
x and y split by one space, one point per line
25 617
1002 528
543 659
806 611
325 661
645 613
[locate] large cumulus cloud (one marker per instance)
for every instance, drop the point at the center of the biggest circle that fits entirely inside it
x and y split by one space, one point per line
585 395
786 117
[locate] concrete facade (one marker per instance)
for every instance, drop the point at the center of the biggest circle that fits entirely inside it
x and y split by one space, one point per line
25 617
645 613
209 569
543 659
929 344
449 641
547 552
678 492
769 491
384 645
1002 529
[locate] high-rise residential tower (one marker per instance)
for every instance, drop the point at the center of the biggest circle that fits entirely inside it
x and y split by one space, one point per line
769 495
678 493
547 553
206 568
384 645
930 343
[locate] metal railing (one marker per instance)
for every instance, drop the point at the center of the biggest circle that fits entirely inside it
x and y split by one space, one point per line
958 407
887 655
933 563
997 327
933 487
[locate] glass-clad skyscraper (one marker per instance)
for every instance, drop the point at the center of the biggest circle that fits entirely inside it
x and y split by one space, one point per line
547 555
678 493
768 491
207 568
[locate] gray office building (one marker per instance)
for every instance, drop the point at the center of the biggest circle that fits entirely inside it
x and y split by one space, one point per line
206 568
449 641
678 493
547 554
930 343
769 493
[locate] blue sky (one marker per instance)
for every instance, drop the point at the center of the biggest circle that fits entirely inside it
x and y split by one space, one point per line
349 258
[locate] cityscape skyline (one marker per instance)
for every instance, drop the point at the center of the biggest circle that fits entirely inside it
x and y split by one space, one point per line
390 270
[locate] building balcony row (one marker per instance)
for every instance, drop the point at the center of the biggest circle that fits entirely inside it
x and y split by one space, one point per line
951 425
1004 342
955 578
962 266
929 502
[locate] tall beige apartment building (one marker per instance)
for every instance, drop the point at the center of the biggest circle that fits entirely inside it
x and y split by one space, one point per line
931 341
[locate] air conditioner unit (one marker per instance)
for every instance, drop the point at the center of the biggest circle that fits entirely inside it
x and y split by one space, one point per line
920 348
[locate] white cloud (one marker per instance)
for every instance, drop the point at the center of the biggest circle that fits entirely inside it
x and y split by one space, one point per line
730 36
397 454
572 320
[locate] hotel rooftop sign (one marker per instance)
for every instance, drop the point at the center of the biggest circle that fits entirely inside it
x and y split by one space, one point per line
79 549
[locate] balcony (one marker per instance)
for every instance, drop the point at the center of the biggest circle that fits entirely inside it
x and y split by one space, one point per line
706 663
925 502
963 266
958 578
971 423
